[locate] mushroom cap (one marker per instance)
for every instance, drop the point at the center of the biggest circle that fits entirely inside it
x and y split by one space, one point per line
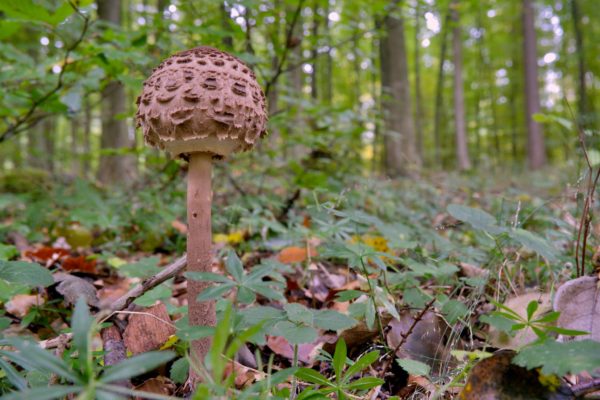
202 100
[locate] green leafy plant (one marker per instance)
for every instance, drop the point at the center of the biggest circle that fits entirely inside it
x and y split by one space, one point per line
81 376
542 326
342 384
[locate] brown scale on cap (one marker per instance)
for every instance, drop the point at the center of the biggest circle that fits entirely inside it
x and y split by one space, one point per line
202 100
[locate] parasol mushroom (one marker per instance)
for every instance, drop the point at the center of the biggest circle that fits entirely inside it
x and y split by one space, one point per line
201 104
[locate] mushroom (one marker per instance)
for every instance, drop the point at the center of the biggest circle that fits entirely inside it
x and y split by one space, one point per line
201 104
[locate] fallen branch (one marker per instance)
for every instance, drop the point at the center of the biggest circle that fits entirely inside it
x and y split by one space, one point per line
125 301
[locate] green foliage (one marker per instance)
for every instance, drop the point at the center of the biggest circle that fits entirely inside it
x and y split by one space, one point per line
81 376
561 358
343 385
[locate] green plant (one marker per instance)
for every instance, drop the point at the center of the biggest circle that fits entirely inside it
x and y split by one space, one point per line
342 385
82 375
542 326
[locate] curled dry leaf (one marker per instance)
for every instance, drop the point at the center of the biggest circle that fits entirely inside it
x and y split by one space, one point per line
20 304
73 287
578 302
425 343
79 264
306 351
160 385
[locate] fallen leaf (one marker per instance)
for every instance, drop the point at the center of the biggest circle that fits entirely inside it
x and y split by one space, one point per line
47 255
160 385
20 304
294 254
358 334
578 302
79 264
306 351
148 329
73 287
244 376
426 341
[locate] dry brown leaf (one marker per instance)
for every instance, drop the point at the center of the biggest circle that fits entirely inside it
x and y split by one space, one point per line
295 254
306 351
244 376
159 385
20 304
578 302
148 330
73 287
47 255
425 343
79 264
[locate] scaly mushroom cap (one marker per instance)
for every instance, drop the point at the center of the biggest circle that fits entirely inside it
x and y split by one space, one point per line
202 100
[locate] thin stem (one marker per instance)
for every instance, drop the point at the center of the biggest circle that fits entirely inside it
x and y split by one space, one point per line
372 292
294 379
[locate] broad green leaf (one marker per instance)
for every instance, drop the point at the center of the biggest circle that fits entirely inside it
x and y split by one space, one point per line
234 266
25 273
454 310
365 383
361 364
561 358
296 312
143 268
535 243
475 217
414 367
12 375
43 393
7 252
339 358
179 370
160 292
312 376
136 365
214 292
295 334
333 320
81 323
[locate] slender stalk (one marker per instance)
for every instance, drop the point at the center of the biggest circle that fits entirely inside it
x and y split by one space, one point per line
294 379
199 259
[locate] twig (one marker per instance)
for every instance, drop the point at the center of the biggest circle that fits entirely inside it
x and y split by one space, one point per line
585 387
13 129
405 336
124 301
281 62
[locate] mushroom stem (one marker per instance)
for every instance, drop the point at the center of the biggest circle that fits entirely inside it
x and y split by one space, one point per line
199 256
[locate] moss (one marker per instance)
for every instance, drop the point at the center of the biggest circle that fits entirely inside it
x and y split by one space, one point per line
26 180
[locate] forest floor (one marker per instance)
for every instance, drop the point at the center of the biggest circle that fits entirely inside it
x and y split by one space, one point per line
421 280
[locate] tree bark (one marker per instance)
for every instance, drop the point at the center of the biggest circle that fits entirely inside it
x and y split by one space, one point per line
462 151
114 168
582 100
199 255
536 150
419 114
401 158
439 94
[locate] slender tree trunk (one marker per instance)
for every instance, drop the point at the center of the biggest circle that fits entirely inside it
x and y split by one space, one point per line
439 94
536 150
462 151
314 83
75 154
114 168
401 158
583 106
328 72
87 138
419 114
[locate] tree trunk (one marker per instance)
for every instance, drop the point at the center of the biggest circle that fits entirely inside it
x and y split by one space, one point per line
419 115
114 168
583 106
439 95
536 151
462 150
75 154
87 138
314 88
401 158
